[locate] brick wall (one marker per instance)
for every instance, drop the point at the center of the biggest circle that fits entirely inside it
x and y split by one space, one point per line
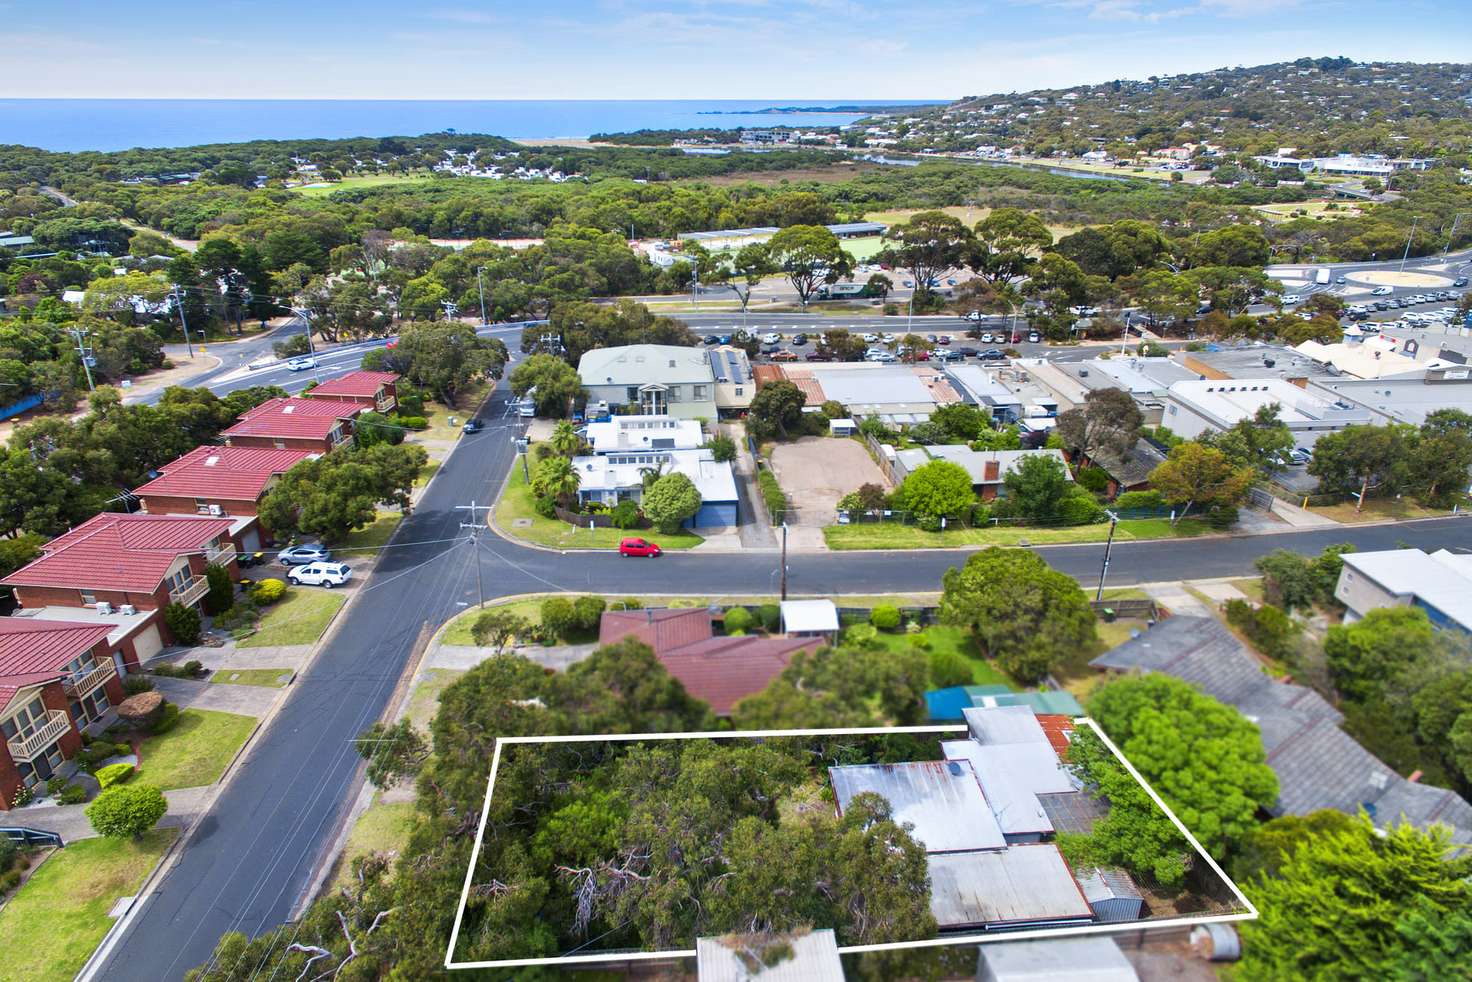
286 443
165 505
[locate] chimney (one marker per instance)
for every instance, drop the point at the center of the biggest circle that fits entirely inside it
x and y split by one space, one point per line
991 469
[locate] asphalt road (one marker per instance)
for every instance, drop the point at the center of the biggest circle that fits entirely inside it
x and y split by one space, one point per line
249 861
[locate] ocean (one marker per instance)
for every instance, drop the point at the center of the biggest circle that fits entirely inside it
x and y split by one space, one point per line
118 124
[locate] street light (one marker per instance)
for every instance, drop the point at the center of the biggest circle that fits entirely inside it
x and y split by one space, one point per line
482 287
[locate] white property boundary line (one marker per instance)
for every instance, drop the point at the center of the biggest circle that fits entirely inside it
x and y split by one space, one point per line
990 937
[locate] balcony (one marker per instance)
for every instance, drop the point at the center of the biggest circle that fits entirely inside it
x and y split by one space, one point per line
187 594
385 403
88 682
39 740
220 555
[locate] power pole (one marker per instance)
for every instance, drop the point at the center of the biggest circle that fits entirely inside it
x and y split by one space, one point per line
82 353
1407 253
482 287
475 529
784 559
179 302
1108 545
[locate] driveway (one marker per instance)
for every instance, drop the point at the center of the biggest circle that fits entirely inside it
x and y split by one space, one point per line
814 473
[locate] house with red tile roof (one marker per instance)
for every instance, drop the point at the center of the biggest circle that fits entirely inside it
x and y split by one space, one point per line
375 391
222 482
132 564
57 679
718 670
292 423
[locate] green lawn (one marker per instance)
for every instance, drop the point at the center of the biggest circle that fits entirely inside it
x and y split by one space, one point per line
1251 587
275 678
955 640
1380 510
383 827
195 752
439 415
369 539
889 535
517 504
426 472
361 181
424 701
53 923
300 617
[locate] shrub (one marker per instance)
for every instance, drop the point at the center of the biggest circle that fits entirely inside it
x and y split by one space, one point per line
739 619
9 881
23 796
411 422
948 668
1093 480
167 720
1221 517
184 623
625 515
1140 500
127 811
770 615
113 774
140 711
772 495
222 592
627 603
861 635
189 670
53 788
885 617
72 794
268 591
1079 508
1269 628
134 684
559 617
587 612
8 853
546 506
722 448
240 617
121 749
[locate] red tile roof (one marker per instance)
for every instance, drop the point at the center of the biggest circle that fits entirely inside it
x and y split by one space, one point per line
311 419
1056 728
717 670
360 383
232 473
723 671
130 553
663 629
36 651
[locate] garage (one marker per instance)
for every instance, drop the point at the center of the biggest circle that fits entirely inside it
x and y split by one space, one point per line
147 642
250 539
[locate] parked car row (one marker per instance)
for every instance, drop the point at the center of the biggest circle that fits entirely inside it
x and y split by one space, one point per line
310 564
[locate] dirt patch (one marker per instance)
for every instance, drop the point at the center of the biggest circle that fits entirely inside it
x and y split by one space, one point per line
835 172
816 471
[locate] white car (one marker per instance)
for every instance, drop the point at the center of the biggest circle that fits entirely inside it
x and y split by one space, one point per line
878 355
771 337
1381 291
301 364
888 338
326 575
1291 298
871 339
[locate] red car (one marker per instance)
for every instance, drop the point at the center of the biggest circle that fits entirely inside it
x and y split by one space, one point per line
638 547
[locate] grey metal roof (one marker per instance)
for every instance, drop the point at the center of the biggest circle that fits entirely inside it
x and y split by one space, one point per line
1011 777
1073 812
640 364
1023 884
814 958
1004 724
1318 764
942 799
1107 883
1083 959
730 365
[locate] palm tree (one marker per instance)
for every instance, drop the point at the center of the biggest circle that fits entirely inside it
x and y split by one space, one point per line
559 478
565 439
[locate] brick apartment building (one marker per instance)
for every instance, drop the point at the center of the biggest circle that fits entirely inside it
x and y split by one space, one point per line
315 425
224 482
57 679
374 391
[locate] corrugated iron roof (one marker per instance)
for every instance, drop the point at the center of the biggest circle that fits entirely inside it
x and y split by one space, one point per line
942 799
359 383
1024 884
119 552
1011 778
230 473
814 958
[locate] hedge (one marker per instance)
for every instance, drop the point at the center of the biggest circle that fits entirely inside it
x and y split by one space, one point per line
772 495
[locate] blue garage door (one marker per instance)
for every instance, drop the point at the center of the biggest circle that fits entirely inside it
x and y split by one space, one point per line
714 514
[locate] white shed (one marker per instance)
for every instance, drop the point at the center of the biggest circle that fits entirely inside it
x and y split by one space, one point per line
810 618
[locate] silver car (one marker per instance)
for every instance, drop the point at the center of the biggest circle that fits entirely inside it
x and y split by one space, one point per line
311 552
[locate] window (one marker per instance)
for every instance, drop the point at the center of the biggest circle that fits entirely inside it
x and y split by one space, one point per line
179 580
202 506
699 393
738 390
88 598
279 445
631 394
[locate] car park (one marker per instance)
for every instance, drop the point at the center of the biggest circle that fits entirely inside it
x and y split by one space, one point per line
1299 456
301 364
634 546
473 425
310 552
326 575
771 349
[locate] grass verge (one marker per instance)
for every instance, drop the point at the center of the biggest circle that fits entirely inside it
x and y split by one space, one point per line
372 537
300 617
383 827
1379 510
888 535
195 752
57 919
424 701
518 505
439 415
275 678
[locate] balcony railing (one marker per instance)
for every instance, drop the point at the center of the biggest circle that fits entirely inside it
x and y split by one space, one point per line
221 554
187 594
91 680
39 740
385 403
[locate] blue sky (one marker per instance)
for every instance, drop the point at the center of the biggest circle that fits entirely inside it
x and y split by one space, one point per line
697 49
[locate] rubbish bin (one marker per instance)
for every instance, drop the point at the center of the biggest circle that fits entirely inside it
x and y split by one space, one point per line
1108 615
